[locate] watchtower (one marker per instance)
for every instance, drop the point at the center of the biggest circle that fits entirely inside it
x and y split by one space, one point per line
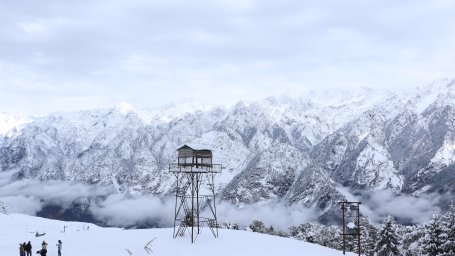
194 191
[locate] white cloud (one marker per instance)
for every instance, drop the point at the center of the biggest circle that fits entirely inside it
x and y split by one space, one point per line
119 210
22 204
278 215
33 27
406 208
29 196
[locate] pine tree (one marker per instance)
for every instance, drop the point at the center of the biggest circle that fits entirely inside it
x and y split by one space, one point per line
448 230
258 226
368 236
411 237
3 208
388 239
319 234
333 237
434 237
270 230
303 232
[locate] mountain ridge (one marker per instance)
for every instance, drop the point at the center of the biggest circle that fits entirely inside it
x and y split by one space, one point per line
292 150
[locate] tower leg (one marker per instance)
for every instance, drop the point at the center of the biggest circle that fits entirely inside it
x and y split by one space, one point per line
344 229
192 208
214 204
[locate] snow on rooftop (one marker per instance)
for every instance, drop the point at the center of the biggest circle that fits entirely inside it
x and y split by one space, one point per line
195 146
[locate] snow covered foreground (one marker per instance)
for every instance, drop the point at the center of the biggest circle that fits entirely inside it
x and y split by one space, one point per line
90 240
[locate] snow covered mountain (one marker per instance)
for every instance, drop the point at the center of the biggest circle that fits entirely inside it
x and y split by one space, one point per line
307 150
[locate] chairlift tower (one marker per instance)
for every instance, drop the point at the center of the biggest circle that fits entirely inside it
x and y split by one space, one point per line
350 224
194 191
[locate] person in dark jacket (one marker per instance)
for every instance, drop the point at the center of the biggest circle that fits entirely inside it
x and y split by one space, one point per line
21 250
43 251
28 249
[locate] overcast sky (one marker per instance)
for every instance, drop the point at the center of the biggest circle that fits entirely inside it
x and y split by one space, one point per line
68 55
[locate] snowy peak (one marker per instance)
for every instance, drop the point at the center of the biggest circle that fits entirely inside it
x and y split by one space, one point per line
10 121
173 110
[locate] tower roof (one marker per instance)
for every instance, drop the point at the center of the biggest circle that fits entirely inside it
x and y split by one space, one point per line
193 147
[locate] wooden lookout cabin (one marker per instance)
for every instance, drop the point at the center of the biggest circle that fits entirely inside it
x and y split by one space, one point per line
194 155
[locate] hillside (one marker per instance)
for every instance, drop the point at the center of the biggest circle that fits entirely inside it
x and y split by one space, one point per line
90 240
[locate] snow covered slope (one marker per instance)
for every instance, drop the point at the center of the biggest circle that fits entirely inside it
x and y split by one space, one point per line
90 240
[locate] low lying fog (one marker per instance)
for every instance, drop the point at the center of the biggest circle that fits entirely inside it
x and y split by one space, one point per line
30 196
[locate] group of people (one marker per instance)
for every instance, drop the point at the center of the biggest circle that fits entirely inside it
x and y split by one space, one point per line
25 249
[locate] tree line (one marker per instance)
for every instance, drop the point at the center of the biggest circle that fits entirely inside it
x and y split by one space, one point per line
434 238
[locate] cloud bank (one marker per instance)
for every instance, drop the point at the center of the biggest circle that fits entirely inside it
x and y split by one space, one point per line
118 210
278 215
30 196
407 209
54 191
114 209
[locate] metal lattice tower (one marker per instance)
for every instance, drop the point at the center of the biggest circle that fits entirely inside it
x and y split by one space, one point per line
351 224
195 191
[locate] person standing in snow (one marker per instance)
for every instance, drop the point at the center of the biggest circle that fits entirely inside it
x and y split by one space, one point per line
23 245
21 250
59 247
28 249
43 251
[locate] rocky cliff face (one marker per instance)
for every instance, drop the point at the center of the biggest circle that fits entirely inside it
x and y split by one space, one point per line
292 150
